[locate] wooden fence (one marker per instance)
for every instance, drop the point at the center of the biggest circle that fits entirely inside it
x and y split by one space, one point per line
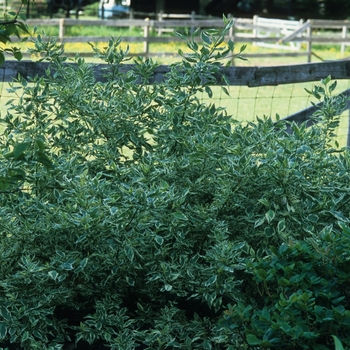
236 76
260 31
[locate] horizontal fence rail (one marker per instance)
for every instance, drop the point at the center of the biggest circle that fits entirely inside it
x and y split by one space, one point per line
273 33
236 76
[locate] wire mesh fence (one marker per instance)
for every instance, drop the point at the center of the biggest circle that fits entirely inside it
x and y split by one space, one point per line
246 103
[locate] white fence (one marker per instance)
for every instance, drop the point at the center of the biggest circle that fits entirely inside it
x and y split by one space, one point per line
267 27
274 33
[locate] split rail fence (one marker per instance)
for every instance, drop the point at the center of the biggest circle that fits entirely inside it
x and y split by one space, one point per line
276 33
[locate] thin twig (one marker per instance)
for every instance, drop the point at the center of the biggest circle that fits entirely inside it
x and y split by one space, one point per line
14 21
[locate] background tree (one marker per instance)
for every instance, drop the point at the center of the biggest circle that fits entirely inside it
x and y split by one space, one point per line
331 9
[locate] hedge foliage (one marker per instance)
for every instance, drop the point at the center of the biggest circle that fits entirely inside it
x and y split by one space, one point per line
134 216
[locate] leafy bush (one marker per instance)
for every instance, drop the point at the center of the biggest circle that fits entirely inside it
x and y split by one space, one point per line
134 216
304 294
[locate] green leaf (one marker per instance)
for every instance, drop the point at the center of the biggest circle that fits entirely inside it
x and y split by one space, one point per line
238 246
2 58
265 315
337 343
130 281
224 89
61 278
168 287
180 35
252 339
205 37
333 86
259 222
270 215
44 160
113 210
283 282
159 239
313 218
3 330
308 91
176 120
339 216
207 345
81 238
210 298
278 191
18 55
16 174
19 149
4 38
5 182
5 313
129 253
84 262
281 225
11 28
25 336
190 59
40 144
211 281
67 266
262 274
53 274
140 307
325 81
231 45
269 231
56 194
209 91
180 216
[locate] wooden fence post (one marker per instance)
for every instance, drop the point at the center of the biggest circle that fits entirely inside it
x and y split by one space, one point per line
193 18
61 29
131 17
309 43
146 36
343 35
255 29
160 18
301 22
231 35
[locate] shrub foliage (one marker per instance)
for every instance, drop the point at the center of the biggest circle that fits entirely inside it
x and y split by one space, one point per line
134 216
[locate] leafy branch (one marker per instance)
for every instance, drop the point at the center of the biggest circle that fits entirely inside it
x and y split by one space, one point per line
11 25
